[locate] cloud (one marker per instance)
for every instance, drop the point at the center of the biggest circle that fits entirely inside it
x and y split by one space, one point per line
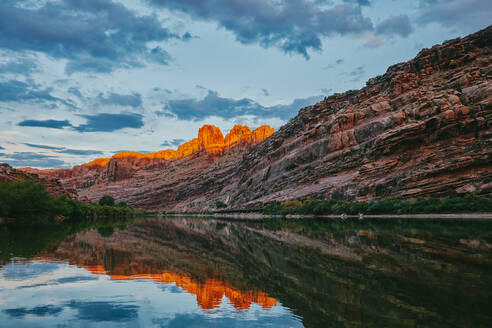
64 150
295 27
160 56
68 280
52 124
94 35
104 311
357 73
64 280
21 66
330 66
43 146
17 91
469 14
172 143
133 100
76 92
227 108
360 2
131 151
395 25
26 272
89 64
39 311
105 122
22 159
187 36
81 152
203 321
374 41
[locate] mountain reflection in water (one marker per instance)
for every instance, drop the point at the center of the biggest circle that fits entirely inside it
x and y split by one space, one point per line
279 273
208 294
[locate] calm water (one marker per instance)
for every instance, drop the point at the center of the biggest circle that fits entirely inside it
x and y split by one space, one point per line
275 273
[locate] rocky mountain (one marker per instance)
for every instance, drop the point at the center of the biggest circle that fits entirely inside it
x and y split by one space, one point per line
170 174
423 128
54 186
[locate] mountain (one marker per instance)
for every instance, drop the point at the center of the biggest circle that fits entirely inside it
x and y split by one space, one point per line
421 129
53 185
156 180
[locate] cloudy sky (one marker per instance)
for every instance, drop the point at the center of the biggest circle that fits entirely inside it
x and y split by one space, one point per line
81 79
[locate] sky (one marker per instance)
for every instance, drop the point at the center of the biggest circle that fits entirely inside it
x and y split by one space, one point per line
83 79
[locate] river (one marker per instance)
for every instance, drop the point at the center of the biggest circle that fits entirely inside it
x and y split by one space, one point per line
199 272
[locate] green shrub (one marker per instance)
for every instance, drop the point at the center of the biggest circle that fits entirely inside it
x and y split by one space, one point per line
469 203
106 201
122 204
30 200
220 204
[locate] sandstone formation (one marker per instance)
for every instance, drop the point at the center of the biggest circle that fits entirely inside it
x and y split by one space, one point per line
421 129
126 175
55 188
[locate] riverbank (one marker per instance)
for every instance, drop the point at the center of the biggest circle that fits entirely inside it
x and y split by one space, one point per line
469 206
260 216
29 202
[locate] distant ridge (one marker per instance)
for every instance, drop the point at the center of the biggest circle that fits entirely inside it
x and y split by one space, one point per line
210 139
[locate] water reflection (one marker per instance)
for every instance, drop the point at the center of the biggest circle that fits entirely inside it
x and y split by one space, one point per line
209 294
280 273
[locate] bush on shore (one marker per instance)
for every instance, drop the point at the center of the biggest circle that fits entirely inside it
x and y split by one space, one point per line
466 204
27 199
106 201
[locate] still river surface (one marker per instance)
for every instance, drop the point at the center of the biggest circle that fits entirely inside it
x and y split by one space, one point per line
192 272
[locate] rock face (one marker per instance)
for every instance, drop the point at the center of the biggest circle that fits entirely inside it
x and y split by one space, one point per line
55 188
195 165
421 129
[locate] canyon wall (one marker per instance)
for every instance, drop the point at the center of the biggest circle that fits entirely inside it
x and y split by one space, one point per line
53 185
156 180
421 129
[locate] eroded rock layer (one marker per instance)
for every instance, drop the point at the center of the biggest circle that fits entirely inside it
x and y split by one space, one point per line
421 129
53 185
162 179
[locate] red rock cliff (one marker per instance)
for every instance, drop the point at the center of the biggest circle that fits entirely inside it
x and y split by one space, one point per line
209 146
53 185
421 129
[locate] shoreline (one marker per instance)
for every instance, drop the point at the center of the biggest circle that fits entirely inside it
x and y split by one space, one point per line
259 216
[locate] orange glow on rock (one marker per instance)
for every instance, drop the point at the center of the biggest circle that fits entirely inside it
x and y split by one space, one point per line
99 162
210 139
262 133
238 134
208 294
